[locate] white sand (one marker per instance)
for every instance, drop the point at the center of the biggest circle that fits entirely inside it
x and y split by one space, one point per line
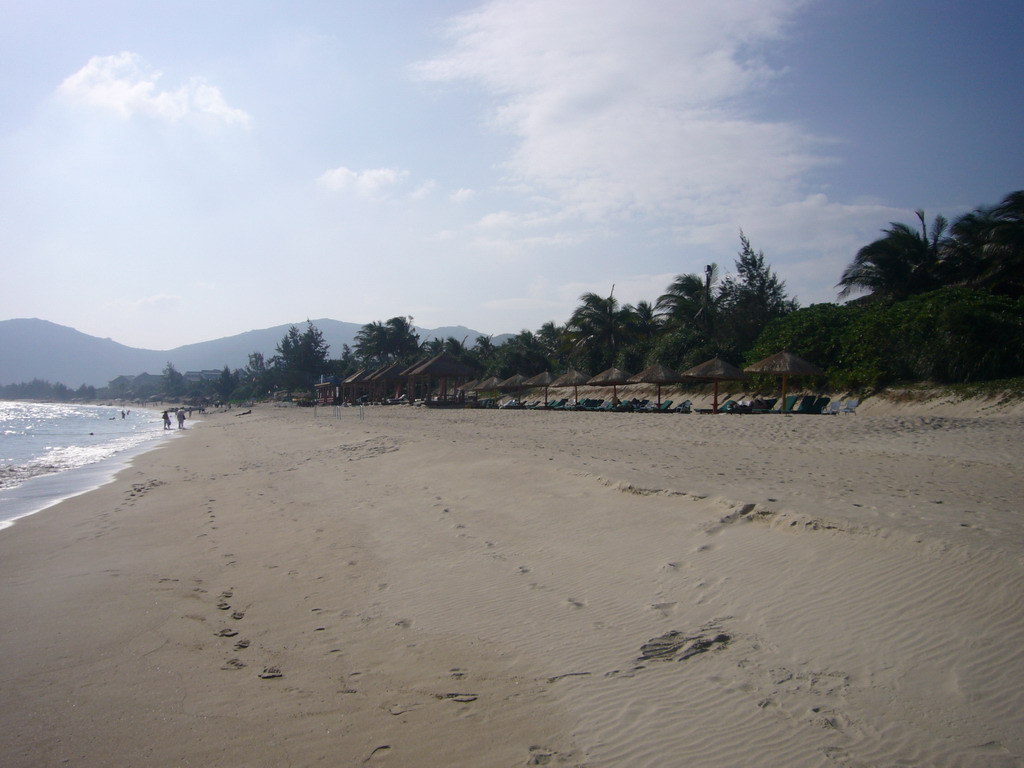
477 588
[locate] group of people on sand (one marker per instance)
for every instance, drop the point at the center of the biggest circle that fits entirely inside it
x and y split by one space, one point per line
180 412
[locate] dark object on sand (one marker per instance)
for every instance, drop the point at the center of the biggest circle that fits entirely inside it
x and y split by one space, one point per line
676 646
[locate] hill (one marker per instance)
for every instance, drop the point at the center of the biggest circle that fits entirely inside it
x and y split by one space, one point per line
38 349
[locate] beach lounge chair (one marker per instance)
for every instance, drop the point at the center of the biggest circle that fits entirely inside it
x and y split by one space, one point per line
665 407
789 404
806 404
632 405
725 407
684 407
833 407
766 405
850 407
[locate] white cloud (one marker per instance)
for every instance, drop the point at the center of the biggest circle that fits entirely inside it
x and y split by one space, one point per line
424 189
124 84
635 109
462 195
372 183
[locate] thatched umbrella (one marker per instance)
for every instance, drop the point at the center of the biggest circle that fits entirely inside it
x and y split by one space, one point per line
542 380
611 377
514 383
572 378
487 384
657 374
715 370
785 364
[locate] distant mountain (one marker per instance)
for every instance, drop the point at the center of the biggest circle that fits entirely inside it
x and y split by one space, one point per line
38 349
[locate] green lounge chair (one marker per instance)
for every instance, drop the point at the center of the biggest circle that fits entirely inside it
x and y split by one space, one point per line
787 407
806 404
665 407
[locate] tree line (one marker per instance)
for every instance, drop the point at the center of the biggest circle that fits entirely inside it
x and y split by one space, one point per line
940 301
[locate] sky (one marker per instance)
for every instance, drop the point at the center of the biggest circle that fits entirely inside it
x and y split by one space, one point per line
175 172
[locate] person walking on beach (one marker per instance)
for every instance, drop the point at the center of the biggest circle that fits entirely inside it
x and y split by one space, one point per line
181 418
167 420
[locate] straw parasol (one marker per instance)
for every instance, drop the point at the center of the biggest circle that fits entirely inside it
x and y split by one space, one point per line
785 364
514 383
715 370
488 384
572 378
657 374
612 377
542 380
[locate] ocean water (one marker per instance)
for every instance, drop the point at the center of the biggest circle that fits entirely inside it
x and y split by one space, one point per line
50 452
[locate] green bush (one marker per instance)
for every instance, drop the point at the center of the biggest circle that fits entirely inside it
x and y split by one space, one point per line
952 335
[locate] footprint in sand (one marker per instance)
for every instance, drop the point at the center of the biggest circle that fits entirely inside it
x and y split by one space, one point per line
545 756
664 608
234 664
576 603
241 645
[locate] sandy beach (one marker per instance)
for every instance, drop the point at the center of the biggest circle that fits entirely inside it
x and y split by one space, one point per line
514 588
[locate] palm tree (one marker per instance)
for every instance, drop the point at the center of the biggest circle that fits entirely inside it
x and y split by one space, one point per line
403 341
600 327
456 348
646 321
986 247
483 351
902 263
692 300
432 347
372 343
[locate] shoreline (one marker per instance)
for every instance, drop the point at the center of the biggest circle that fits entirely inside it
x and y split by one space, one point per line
40 492
438 588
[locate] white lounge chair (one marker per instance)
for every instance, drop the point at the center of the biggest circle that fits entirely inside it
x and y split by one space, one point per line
850 407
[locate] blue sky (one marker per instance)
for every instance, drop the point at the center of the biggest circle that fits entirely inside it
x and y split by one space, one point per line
177 172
